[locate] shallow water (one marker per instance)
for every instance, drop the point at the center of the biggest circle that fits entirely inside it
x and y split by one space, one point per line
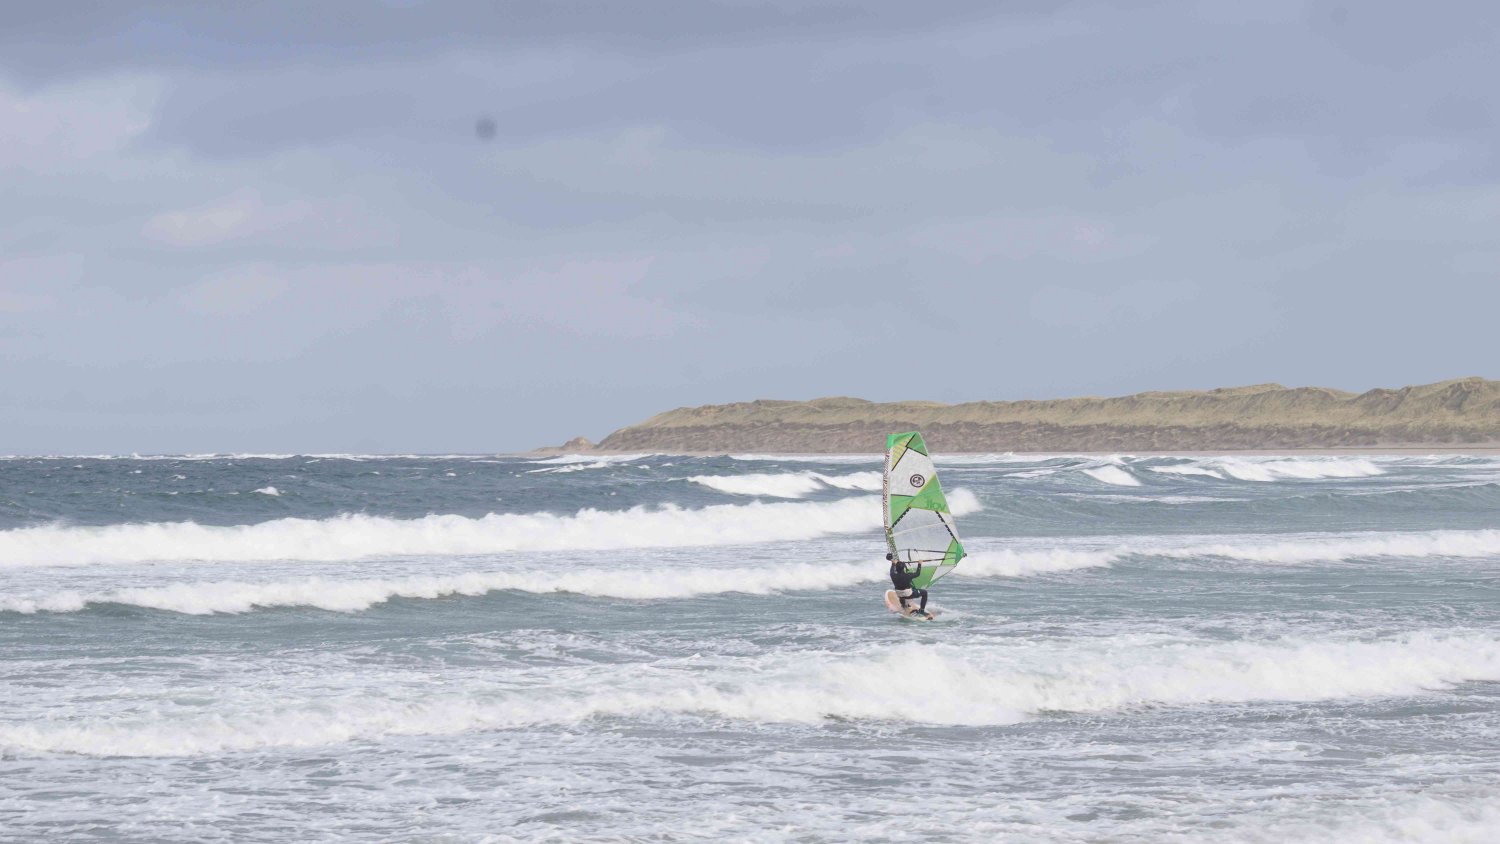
659 647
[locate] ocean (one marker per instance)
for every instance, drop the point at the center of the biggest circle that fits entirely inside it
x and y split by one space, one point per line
669 648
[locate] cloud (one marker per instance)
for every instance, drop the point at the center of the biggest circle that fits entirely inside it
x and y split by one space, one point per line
288 208
595 297
67 127
238 215
1013 238
245 217
252 37
234 294
35 283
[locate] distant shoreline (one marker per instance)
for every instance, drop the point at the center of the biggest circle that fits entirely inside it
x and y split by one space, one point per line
1354 451
1457 416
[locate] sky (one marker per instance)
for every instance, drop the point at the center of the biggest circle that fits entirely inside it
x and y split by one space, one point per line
447 227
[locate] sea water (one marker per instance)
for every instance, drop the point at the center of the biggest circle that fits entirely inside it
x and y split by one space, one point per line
663 648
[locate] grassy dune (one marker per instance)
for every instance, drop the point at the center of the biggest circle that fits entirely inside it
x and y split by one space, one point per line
1448 414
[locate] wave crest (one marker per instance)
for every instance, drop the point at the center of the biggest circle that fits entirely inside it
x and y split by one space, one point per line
1442 543
338 595
788 484
941 685
353 537
1112 475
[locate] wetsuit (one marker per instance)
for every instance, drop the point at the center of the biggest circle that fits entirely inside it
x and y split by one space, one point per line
902 579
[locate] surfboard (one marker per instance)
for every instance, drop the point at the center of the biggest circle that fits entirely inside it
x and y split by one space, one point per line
893 603
919 527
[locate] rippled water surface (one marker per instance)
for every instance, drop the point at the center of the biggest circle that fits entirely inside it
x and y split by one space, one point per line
658 647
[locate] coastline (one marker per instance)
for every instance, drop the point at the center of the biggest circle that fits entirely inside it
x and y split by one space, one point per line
1453 417
1332 451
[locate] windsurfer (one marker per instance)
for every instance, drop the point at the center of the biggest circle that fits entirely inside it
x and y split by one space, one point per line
902 578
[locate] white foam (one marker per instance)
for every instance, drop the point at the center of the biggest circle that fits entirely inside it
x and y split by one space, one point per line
1402 817
571 467
950 686
808 458
1302 468
563 459
942 684
773 485
788 484
1019 563
229 456
357 594
1113 475
863 481
352 537
340 595
943 459
1032 473
1296 549
1340 547
1186 470
1293 549
999 458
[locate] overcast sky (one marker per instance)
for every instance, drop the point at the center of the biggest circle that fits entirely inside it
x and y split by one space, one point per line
423 227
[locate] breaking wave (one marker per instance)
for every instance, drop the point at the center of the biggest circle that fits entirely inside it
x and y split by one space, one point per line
570 467
605 459
1297 550
341 595
1300 469
1294 550
1008 563
1399 818
808 458
1186 470
1112 475
942 685
1338 548
1276 469
352 537
789 485
357 594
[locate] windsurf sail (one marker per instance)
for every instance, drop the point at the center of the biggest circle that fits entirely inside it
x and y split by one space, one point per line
918 526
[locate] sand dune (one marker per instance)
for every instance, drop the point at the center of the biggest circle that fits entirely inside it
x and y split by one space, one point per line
1461 412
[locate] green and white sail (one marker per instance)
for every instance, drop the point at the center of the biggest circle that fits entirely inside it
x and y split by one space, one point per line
918 526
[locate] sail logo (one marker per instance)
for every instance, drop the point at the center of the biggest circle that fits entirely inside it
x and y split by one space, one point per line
917 481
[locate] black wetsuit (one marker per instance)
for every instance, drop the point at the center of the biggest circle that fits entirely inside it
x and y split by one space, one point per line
902 578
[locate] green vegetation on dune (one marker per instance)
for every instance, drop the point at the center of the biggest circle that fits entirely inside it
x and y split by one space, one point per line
1264 416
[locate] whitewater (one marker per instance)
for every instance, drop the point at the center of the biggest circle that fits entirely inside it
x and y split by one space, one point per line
658 647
